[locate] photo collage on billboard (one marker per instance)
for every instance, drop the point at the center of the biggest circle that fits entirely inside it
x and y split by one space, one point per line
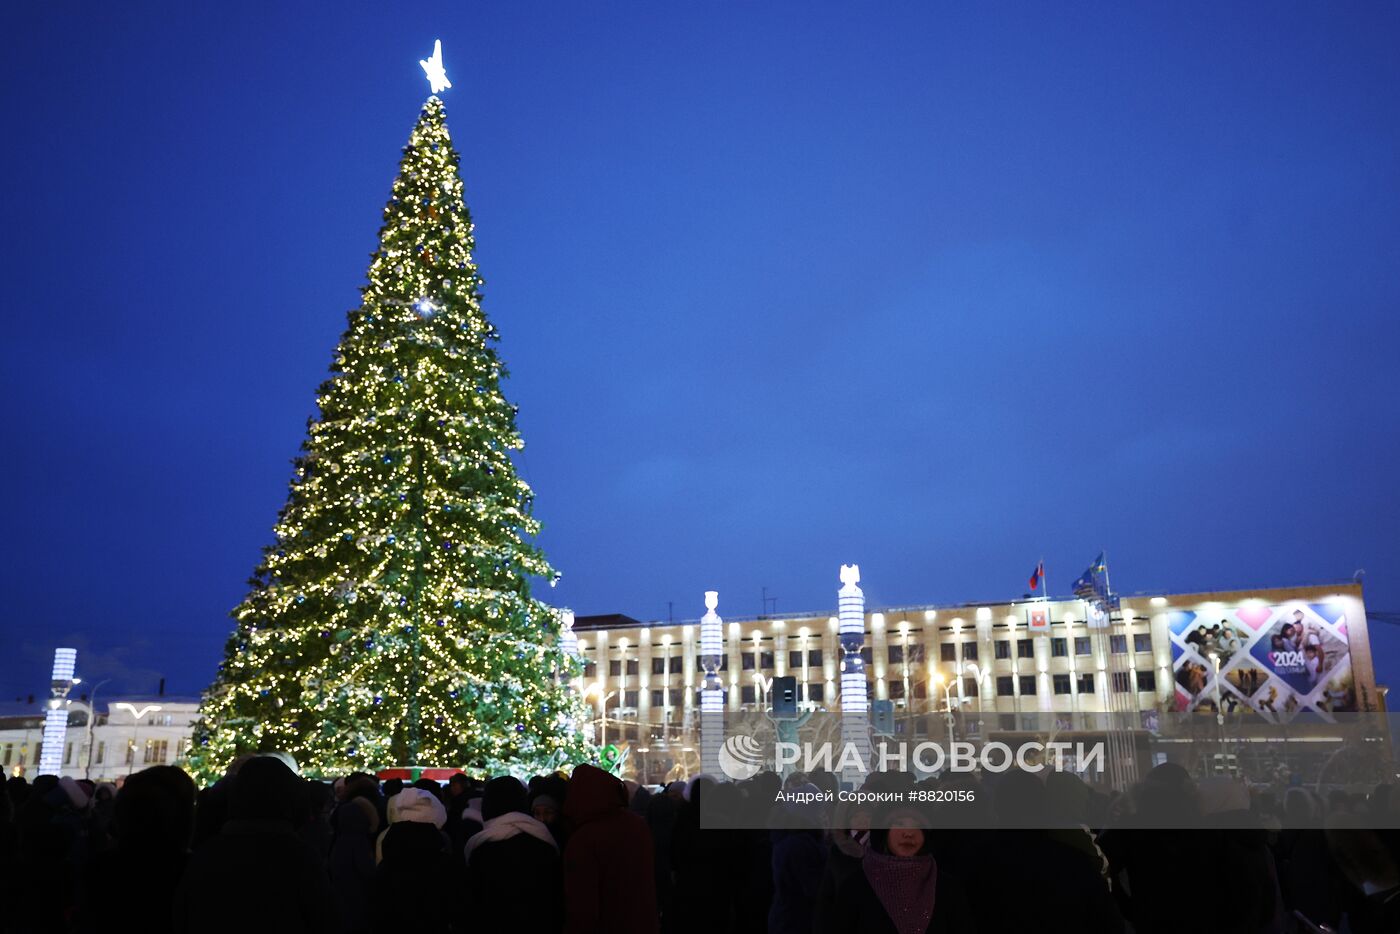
1275 660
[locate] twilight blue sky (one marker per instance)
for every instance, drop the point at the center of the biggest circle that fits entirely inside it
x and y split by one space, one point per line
938 291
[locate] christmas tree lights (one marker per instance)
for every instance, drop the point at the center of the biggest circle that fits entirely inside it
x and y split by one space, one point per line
392 621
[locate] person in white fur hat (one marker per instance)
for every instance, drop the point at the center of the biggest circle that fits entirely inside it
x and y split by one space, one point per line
415 862
414 806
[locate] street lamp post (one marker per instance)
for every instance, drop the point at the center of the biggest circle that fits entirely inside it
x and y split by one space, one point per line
92 715
947 687
597 688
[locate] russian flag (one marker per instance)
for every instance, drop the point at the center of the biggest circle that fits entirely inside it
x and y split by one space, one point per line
1037 575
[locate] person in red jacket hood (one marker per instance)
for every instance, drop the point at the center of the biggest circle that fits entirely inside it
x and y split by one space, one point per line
608 863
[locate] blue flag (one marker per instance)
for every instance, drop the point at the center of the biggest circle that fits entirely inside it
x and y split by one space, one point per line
1093 582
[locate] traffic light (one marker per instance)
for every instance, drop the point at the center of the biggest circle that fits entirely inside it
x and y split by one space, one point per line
785 697
884 717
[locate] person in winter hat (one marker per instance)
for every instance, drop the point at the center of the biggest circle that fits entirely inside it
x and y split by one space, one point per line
514 879
416 869
899 889
412 806
256 867
607 860
152 827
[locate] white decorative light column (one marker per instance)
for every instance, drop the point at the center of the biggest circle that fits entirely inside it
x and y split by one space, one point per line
712 694
56 718
855 697
568 639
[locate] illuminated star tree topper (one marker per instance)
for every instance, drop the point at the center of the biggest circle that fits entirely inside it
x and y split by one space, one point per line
432 67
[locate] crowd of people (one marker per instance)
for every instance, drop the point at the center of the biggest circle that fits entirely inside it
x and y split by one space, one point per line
264 850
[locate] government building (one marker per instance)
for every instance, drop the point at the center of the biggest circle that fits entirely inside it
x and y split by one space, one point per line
1237 666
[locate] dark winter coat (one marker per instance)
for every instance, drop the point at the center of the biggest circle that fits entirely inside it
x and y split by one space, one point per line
515 884
255 875
412 881
1309 877
351 862
842 860
1025 876
858 910
1246 905
799 861
256 872
707 863
607 860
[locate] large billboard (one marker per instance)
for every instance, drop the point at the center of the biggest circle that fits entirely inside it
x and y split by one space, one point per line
1275 659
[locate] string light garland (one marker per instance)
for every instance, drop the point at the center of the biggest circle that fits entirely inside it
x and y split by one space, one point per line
391 622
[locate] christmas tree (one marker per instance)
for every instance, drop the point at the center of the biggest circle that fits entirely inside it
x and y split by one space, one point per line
392 621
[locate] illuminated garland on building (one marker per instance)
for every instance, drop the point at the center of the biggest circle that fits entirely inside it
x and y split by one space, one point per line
392 621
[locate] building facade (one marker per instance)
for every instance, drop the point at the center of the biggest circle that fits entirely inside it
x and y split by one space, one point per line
124 736
1272 656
